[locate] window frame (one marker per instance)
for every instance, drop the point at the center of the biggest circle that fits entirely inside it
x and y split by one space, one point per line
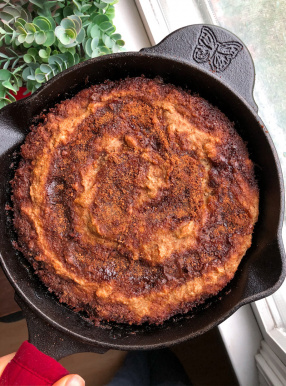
271 323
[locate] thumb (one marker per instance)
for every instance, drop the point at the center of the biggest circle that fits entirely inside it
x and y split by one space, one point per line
4 361
70 380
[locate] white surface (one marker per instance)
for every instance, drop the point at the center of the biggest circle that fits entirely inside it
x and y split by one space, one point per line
242 338
129 24
181 13
153 19
162 17
272 325
271 369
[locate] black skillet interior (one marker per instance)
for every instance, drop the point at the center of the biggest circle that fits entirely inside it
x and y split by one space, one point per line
229 88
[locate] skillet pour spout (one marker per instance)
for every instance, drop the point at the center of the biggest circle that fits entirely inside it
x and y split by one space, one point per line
215 64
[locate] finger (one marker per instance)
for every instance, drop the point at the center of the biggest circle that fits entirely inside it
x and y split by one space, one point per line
4 361
70 380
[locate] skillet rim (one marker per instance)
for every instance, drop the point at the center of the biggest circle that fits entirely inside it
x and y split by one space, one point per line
27 101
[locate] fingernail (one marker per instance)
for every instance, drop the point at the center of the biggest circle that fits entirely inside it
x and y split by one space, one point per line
75 380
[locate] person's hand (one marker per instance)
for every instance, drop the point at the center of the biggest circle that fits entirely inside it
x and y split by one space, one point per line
68 380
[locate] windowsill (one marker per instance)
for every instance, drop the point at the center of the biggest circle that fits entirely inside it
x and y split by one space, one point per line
242 338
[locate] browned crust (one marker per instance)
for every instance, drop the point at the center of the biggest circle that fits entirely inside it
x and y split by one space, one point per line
134 200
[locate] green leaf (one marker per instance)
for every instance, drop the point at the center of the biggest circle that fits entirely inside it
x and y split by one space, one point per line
67 24
55 59
71 33
70 59
76 58
28 58
39 76
21 38
52 22
37 28
111 31
6 16
115 36
43 23
120 42
50 38
24 16
88 29
21 30
46 69
50 4
80 37
40 37
87 47
3 102
106 26
7 27
110 12
18 81
84 19
11 96
20 21
77 4
38 3
59 31
108 41
100 5
43 54
94 43
12 11
95 31
17 25
26 72
32 51
63 48
8 85
95 53
77 22
62 36
98 19
104 50
5 75
8 39
27 45
6 65
18 69
85 7
67 11
30 27
29 38
31 85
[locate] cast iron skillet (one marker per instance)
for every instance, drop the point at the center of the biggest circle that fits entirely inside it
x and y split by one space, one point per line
195 58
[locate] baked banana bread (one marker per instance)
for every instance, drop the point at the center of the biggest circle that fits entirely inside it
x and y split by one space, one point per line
134 201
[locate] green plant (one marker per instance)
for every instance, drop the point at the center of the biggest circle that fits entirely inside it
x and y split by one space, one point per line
39 39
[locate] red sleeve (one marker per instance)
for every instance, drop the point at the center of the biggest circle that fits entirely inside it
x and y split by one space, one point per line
30 367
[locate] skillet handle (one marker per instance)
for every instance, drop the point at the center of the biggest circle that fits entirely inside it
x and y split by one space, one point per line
213 49
50 340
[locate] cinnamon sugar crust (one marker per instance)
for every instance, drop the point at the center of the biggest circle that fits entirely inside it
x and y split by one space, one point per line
134 200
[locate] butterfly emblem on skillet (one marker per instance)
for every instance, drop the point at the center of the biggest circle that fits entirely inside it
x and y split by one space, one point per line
209 49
